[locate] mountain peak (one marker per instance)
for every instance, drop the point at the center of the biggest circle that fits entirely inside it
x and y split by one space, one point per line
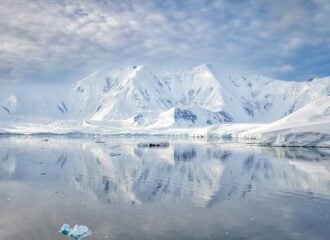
203 67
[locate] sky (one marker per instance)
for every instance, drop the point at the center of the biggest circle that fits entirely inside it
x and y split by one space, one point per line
59 40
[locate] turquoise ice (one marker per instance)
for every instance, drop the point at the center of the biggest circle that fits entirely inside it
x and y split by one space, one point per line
77 232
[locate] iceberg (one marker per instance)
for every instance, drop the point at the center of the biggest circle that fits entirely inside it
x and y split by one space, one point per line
77 232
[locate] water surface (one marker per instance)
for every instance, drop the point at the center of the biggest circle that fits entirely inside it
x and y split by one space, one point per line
188 190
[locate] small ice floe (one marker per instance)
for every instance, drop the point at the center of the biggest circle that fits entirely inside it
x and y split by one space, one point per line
114 154
154 144
77 232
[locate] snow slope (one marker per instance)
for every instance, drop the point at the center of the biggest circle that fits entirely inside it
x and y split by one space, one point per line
137 93
33 103
136 99
308 126
139 96
199 97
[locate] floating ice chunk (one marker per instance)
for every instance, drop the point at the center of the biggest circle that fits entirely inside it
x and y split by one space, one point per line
77 232
114 154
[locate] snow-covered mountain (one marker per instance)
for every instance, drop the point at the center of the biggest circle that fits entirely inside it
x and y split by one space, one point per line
139 96
308 126
33 103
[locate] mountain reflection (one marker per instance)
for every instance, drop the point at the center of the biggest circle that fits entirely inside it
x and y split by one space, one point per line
184 154
202 174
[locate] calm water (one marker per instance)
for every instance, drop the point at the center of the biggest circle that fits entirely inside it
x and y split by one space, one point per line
189 190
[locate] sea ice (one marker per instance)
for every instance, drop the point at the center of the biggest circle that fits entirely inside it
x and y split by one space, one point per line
77 232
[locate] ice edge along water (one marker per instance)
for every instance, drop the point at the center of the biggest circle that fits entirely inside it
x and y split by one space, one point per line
198 102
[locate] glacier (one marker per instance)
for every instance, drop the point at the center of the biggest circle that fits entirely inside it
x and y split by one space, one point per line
198 102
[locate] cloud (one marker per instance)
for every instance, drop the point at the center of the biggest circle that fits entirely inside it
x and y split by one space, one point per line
44 40
279 69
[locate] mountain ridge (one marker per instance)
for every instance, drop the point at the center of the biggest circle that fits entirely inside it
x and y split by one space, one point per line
141 97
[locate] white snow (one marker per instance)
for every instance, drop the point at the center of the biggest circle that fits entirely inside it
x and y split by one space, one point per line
308 126
201 101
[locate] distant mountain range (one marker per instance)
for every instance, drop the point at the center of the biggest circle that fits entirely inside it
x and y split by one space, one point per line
201 102
139 96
